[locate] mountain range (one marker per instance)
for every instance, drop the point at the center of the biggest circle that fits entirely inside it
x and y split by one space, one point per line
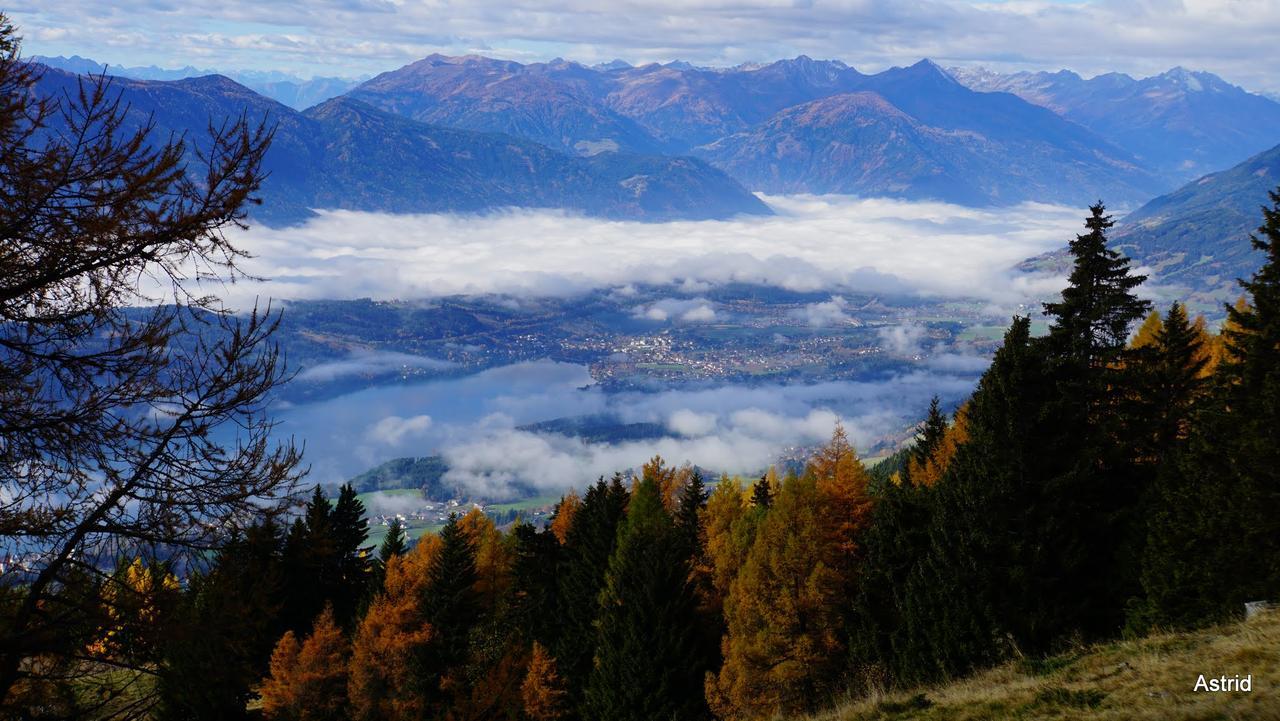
798 125
345 154
298 93
665 141
1181 124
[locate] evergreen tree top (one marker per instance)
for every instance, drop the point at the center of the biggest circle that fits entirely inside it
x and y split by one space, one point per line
1091 322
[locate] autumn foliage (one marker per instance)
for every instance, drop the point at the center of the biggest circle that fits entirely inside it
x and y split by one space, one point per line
308 680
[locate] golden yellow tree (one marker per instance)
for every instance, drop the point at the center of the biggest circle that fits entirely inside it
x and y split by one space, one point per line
783 612
725 552
929 472
308 681
842 483
494 557
568 508
383 684
1146 335
542 692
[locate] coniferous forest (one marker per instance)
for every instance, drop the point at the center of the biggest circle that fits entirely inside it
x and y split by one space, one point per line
1116 475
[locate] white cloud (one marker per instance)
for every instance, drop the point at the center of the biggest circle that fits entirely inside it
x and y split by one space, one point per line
826 313
903 340
689 423
369 363
814 243
393 430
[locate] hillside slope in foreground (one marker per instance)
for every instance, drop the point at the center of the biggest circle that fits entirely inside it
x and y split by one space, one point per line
1147 679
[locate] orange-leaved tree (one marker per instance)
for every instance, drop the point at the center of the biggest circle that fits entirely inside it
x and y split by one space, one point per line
543 691
308 680
383 685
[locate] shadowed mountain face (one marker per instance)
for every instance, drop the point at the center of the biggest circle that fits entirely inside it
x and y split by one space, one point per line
1182 124
926 135
345 154
1198 235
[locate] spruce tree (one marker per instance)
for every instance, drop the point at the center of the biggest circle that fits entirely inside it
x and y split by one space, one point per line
535 599
647 662
985 576
693 498
761 494
1094 482
226 624
449 601
352 560
1214 538
893 545
1170 380
930 433
1092 320
395 543
584 562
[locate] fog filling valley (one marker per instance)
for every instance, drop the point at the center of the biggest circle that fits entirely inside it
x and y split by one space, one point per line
837 245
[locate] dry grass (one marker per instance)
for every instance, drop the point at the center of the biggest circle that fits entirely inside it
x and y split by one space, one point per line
1150 679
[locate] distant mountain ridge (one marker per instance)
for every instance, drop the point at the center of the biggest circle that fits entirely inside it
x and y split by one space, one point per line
735 117
345 154
298 93
1180 123
604 139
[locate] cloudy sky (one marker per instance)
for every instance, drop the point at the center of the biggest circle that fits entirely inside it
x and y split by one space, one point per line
1235 38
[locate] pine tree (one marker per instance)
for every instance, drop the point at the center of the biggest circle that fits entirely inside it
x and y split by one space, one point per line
647 663
395 543
930 433
451 606
761 493
583 565
217 650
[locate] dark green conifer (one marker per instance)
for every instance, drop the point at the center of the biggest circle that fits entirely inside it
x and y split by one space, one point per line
1214 529
647 663
535 597
930 433
395 543
693 498
353 560
983 579
584 561
451 607
761 494
226 625
1095 481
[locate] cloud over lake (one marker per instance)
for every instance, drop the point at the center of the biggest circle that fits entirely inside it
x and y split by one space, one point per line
813 243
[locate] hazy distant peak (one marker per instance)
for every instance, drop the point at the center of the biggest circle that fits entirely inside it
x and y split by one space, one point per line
615 64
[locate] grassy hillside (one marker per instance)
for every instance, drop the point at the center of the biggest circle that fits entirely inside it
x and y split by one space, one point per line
1147 679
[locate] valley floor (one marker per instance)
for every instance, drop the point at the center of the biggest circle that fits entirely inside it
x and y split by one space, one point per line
1146 679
